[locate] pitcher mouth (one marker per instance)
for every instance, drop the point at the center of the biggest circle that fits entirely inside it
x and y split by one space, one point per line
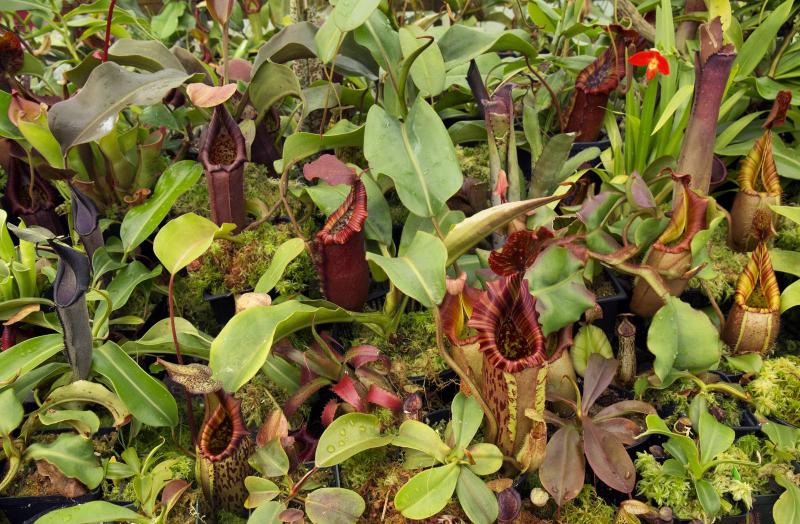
223 430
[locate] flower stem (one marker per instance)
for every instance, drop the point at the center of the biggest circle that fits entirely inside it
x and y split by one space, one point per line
107 38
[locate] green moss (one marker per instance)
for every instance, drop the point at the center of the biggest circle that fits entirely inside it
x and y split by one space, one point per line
412 348
776 390
586 508
680 394
257 401
224 517
662 489
474 161
788 236
727 265
237 266
362 469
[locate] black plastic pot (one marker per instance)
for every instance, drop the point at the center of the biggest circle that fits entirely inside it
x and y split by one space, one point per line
446 392
223 306
612 305
762 506
18 510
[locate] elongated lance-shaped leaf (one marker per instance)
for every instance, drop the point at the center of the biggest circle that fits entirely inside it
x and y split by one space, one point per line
85 221
69 295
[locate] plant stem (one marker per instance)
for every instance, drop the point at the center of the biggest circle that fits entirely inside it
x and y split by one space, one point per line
296 488
491 421
179 357
107 38
225 53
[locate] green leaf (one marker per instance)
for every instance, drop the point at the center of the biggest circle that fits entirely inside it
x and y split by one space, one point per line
267 513
589 339
158 339
488 458
413 434
446 219
461 43
165 23
94 512
7 128
427 493
678 101
72 455
785 261
302 145
476 499
714 437
125 281
427 71
244 343
416 154
753 50
721 9
347 436
88 392
259 491
785 438
787 508
556 280
546 172
92 113
349 14
682 338
38 134
24 5
27 355
140 221
467 417
383 42
271 83
270 459
790 297
419 271
12 411
334 506
185 239
790 212
283 256
708 497
746 363
84 422
146 398
327 40
149 55
469 232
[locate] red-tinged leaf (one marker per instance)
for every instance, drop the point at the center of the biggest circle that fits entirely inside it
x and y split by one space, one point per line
173 490
599 373
329 412
238 69
345 389
380 397
203 95
291 515
303 394
329 169
623 429
563 469
608 458
777 115
624 407
639 192
276 426
358 356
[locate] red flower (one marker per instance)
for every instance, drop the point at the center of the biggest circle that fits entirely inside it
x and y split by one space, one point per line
655 62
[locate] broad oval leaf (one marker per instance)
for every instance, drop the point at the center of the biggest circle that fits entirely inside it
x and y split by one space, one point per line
271 83
414 434
608 458
244 343
427 492
140 221
714 437
259 491
334 506
73 455
84 422
467 418
427 71
419 272
266 512
27 355
590 339
682 338
92 512
417 155
185 239
12 411
349 14
348 435
144 396
563 469
270 459
150 55
476 499
202 95
487 457
92 113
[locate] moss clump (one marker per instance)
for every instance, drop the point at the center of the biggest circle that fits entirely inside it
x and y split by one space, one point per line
679 395
788 237
662 489
474 161
260 396
412 348
237 266
726 263
361 470
776 390
587 508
